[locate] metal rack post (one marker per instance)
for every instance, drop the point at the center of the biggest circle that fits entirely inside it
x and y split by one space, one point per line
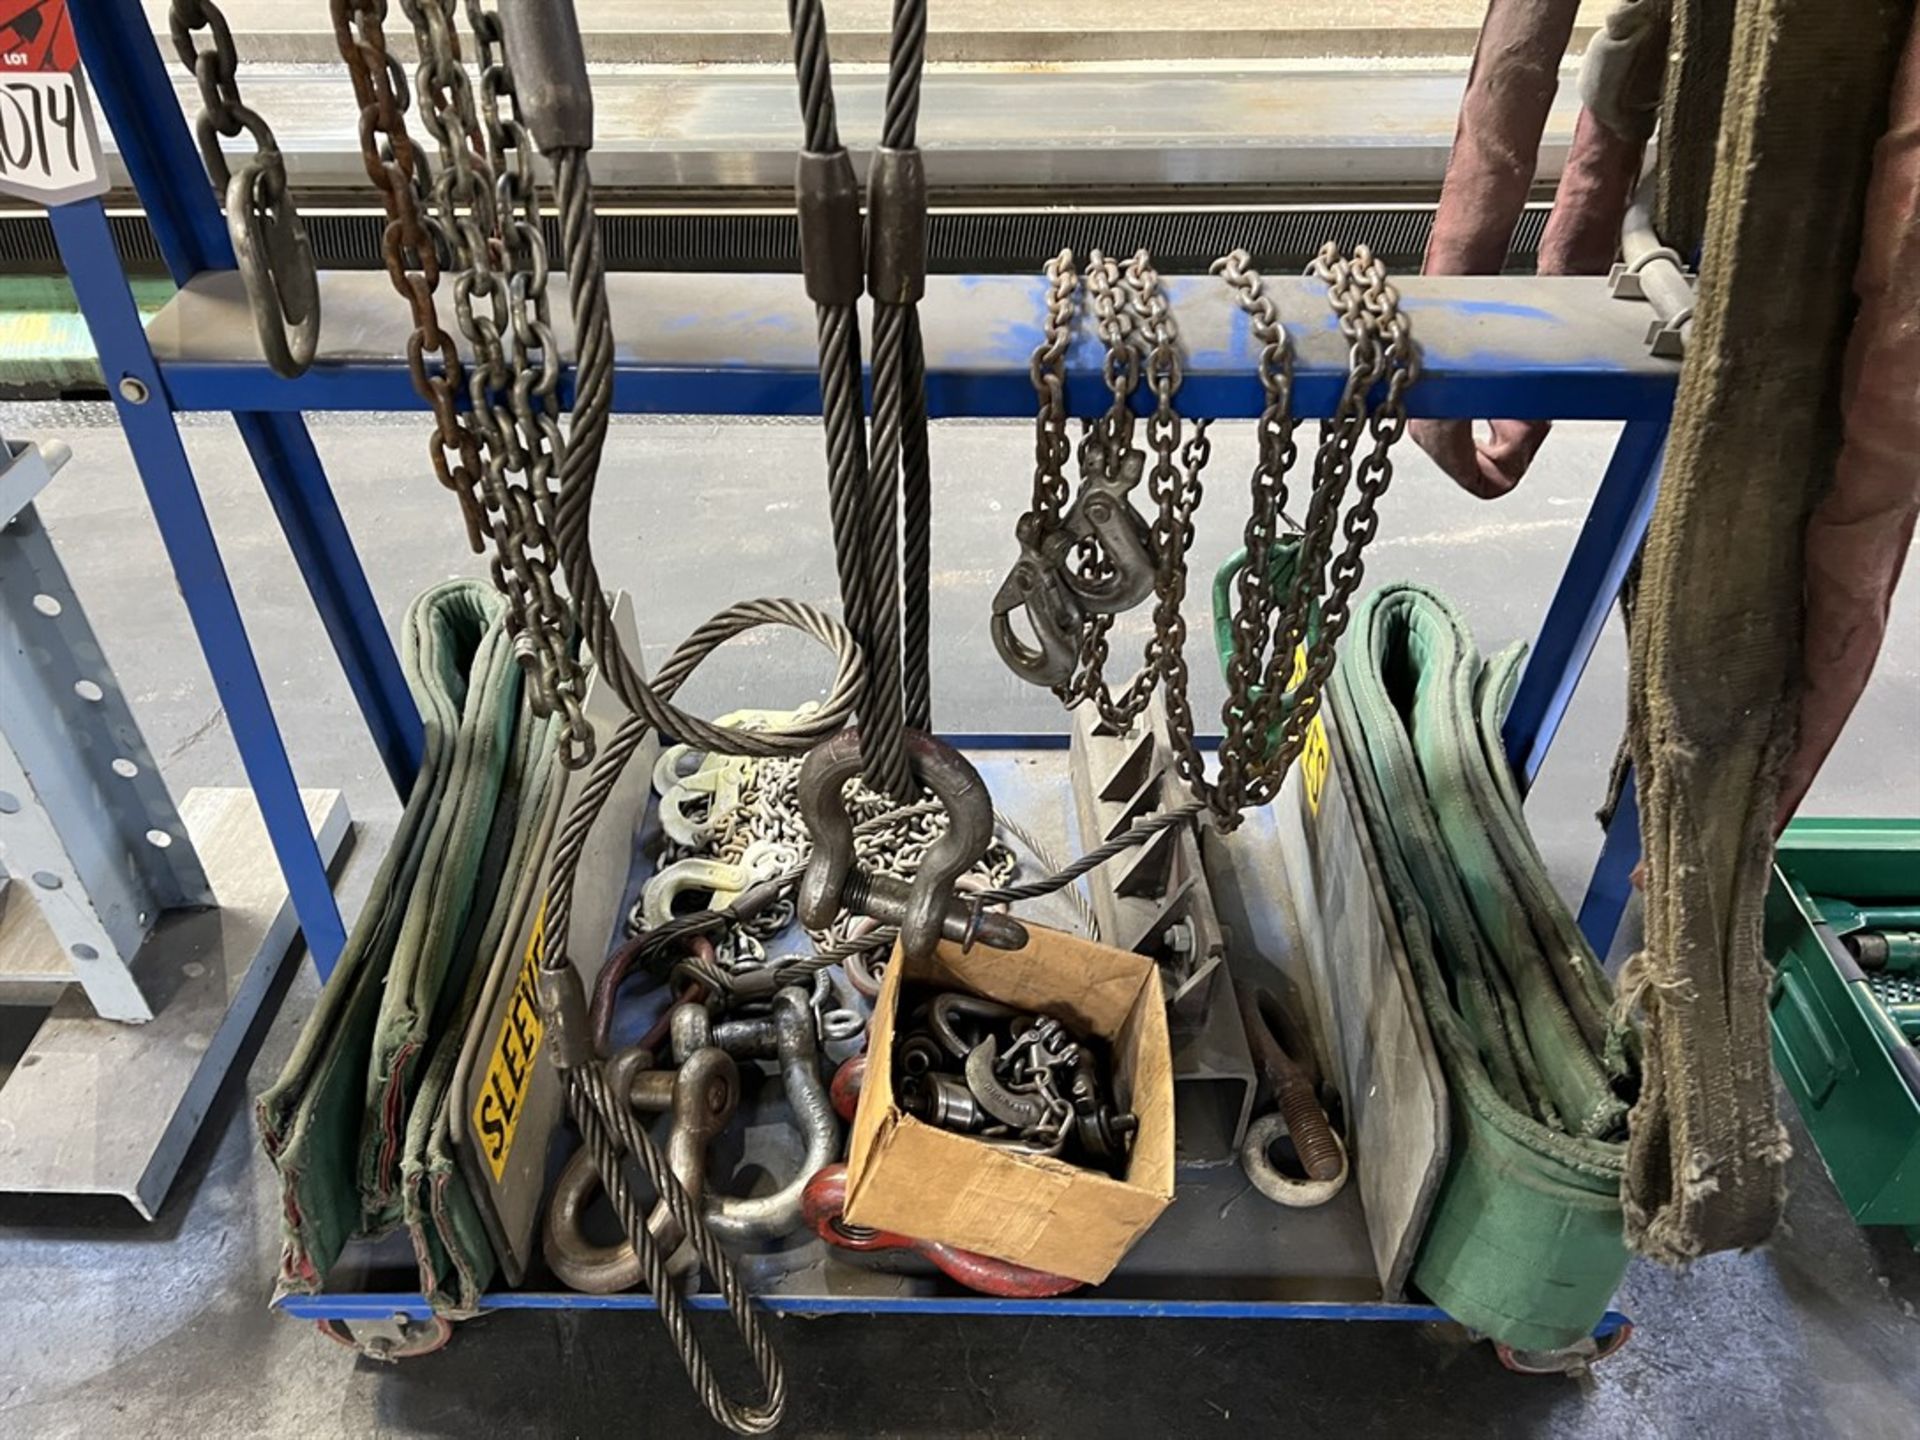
1609 539
133 90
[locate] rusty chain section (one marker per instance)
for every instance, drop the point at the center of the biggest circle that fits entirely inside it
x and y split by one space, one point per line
477 214
1278 662
408 247
269 238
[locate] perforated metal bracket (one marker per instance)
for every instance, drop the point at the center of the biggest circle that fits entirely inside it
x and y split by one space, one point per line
1157 900
87 825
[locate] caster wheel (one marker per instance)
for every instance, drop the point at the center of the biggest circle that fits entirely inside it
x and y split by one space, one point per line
1574 1360
393 1340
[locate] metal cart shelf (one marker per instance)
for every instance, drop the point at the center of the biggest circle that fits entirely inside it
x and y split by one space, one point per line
743 345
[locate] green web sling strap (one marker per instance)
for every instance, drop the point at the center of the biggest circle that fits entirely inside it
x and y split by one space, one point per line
1525 1241
352 1121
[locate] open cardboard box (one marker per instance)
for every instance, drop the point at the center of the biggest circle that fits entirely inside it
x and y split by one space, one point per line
916 1179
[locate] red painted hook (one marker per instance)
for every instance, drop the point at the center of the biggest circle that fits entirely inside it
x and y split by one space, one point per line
825 1201
845 1090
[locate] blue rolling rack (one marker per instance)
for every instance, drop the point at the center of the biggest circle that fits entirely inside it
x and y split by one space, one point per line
1512 346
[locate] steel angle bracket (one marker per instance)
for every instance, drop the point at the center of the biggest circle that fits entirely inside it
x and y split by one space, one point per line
508 1097
1157 901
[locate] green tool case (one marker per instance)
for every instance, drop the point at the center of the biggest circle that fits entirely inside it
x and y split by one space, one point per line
1837 1038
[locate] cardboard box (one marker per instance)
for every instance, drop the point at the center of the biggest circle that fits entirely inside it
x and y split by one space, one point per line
916 1179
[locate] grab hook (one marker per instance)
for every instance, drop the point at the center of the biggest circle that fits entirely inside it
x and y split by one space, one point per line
1102 512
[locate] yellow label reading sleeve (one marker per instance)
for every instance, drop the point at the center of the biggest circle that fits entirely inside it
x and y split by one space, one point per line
503 1094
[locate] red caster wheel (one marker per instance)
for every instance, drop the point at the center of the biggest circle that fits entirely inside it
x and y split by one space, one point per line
401 1338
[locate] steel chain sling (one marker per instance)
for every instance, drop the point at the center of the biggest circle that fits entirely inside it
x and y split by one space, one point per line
270 243
1264 693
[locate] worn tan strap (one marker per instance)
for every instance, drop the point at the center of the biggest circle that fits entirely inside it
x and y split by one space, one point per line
1716 649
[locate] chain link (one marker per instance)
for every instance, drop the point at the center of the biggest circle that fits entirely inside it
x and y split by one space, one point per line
1048 368
1175 484
1382 345
1269 707
1107 437
270 242
409 249
1274 456
888 838
477 214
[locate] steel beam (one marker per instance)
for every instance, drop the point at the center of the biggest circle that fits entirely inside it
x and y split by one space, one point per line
87 825
1525 346
95 1108
970 32
1116 130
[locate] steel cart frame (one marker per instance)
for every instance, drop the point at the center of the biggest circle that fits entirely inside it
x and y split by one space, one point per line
1528 347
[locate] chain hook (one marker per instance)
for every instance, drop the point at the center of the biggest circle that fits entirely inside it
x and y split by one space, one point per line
925 909
275 259
1102 513
1038 584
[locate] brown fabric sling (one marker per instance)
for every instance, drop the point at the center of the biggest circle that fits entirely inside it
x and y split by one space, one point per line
1716 650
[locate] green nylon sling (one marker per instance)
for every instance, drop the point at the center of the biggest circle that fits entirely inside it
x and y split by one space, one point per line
1525 1242
450 1239
427 948
352 1121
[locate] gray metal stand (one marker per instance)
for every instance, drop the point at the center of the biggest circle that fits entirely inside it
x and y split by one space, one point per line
154 932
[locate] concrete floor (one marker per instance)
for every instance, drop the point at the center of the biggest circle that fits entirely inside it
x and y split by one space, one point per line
110 1327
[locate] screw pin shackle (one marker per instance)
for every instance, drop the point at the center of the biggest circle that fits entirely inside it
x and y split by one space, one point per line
926 908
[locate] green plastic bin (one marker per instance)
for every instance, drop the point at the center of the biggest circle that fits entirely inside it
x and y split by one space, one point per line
1853 1073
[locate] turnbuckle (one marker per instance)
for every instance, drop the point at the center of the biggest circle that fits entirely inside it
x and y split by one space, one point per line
926 908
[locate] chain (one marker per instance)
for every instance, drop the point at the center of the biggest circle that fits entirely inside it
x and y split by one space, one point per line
1381 345
888 838
269 238
1113 433
1048 369
1176 488
1275 453
409 248
1121 367
479 215
1264 694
